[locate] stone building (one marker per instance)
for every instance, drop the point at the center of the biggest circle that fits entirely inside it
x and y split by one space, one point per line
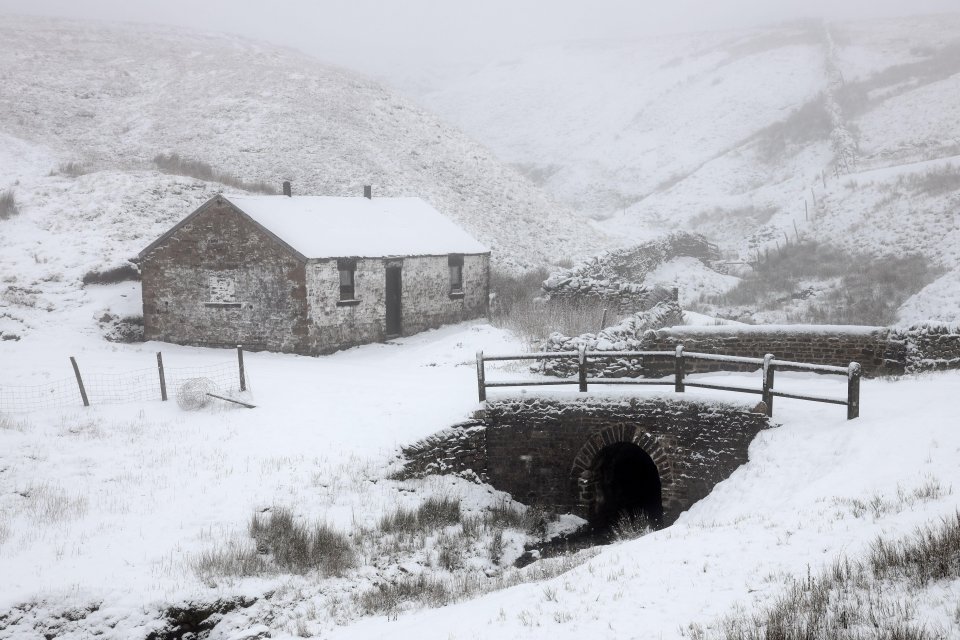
309 274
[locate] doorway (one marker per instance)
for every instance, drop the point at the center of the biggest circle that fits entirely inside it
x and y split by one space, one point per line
394 299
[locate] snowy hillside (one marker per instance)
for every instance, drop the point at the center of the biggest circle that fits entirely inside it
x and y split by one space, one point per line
109 98
841 132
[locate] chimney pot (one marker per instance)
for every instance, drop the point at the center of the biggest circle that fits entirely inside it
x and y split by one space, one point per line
368 192
287 191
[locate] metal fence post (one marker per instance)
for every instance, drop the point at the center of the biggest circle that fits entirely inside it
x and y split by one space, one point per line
243 374
163 378
768 383
582 366
853 390
481 378
678 370
83 391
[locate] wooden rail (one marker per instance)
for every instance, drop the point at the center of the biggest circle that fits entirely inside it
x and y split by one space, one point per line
768 365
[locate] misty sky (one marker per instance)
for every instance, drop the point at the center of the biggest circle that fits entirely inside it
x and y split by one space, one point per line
378 36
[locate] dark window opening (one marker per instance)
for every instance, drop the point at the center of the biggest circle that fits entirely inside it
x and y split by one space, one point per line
455 263
347 269
627 486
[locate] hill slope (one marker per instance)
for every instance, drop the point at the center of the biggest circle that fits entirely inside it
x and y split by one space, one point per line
848 133
112 97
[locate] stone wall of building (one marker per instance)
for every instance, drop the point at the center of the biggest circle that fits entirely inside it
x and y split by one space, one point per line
268 282
221 280
426 303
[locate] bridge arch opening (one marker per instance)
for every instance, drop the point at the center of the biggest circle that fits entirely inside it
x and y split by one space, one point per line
626 484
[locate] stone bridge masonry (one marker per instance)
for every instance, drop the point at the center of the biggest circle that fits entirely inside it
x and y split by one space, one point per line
596 456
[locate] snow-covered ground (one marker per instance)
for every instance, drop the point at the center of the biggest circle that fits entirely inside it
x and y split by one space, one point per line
112 504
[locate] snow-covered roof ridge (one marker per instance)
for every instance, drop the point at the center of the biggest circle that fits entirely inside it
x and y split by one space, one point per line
330 227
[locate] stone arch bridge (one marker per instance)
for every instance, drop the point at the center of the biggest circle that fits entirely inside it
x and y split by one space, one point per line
597 457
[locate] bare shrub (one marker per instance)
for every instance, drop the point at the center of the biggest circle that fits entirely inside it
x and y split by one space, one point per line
8 204
505 515
517 306
808 123
235 558
933 553
431 591
630 526
870 288
297 548
849 597
112 275
933 182
71 168
433 513
175 164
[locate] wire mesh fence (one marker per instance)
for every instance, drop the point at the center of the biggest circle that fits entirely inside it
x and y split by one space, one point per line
141 385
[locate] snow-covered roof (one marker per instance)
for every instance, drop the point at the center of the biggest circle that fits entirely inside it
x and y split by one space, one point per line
329 227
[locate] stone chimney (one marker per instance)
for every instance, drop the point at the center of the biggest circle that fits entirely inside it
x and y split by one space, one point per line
287 191
368 192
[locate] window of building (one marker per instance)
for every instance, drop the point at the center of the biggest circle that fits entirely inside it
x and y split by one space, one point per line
347 269
455 262
222 291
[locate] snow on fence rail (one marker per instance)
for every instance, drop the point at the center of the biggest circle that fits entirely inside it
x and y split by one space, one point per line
149 383
768 364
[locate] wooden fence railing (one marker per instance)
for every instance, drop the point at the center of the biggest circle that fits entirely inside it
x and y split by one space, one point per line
769 365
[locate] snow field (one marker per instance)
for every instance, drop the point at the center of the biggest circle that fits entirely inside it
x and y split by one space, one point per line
113 504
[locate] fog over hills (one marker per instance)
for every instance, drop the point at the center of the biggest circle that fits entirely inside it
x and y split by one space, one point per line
109 98
844 132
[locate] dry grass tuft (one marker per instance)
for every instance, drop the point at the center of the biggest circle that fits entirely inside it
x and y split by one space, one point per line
8 204
174 163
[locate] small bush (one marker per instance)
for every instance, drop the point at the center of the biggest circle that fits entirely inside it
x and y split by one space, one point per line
72 169
630 526
869 290
175 164
517 306
298 548
8 204
933 182
932 554
122 273
432 514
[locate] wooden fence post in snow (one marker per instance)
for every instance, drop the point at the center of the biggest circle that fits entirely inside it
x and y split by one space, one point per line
853 391
678 370
83 392
243 374
481 378
768 383
163 378
582 367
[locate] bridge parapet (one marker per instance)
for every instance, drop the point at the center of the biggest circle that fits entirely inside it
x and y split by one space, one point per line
572 454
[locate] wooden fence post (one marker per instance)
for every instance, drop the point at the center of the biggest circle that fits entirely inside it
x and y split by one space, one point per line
481 378
163 378
768 383
83 392
678 370
853 390
582 366
243 374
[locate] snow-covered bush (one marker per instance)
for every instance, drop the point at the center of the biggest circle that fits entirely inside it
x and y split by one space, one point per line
8 204
175 164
